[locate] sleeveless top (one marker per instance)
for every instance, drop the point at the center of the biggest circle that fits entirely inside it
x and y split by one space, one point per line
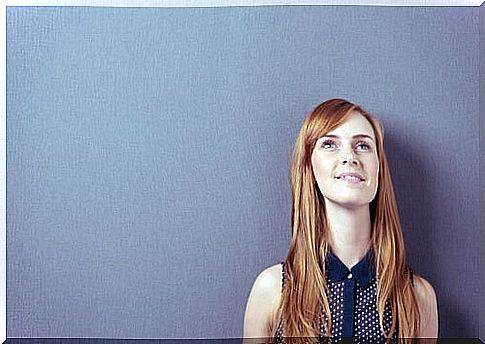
352 301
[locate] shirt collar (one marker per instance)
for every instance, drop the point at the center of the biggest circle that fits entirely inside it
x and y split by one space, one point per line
363 271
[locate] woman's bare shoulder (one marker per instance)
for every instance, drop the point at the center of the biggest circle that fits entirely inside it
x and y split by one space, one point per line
428 307
262 303
424 291
269 281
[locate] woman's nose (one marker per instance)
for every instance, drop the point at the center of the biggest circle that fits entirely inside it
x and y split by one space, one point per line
348 157
350 161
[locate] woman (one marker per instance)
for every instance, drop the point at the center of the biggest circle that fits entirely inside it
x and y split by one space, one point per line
345 274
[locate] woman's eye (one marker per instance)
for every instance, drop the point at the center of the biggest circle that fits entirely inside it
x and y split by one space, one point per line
328 144
363 146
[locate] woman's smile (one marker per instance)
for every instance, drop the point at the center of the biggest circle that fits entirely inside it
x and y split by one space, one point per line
350 177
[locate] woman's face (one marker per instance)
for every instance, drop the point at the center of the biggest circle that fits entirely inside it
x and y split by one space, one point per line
345 163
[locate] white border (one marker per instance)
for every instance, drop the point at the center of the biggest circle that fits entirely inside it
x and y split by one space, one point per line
136 3
228 3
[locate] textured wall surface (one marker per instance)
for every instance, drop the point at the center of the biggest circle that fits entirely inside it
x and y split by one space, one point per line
148 153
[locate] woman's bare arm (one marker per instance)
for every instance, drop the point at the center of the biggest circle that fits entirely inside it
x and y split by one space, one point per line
262 304
428 308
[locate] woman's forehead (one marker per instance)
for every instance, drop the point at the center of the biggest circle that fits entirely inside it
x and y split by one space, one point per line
355 125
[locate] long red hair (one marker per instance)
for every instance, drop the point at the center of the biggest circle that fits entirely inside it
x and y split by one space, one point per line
306 292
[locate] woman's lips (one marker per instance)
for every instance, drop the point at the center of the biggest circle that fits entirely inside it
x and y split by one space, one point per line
351 177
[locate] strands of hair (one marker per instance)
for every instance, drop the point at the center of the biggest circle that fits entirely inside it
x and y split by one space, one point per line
306 295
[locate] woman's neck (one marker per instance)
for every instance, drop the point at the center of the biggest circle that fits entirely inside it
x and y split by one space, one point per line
350 232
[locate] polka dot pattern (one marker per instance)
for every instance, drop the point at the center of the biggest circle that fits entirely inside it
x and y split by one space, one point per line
366 326
336 299
366 316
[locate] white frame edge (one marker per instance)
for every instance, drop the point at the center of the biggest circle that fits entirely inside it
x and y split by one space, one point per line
229 3
134 3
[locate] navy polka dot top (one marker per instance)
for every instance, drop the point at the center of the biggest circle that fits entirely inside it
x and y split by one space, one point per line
352 301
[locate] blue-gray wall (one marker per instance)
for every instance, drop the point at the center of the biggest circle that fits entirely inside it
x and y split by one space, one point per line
148 153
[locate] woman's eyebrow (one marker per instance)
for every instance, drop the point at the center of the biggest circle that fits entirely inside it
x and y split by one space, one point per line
358 136
363 136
